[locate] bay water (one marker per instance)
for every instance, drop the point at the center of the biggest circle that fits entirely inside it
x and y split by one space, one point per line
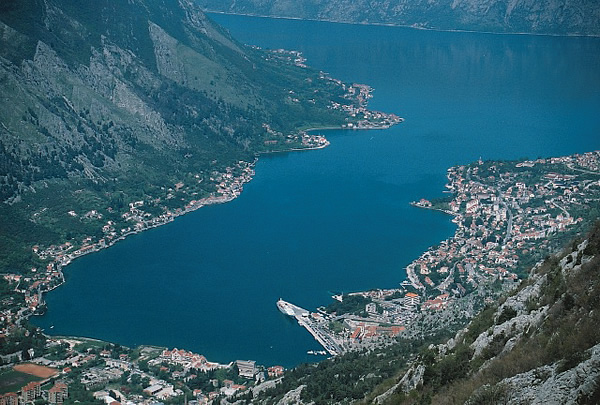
335 220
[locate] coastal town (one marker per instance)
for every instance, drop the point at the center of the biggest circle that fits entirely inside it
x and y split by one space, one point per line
360 117
91 371
136 219
508 216
56 370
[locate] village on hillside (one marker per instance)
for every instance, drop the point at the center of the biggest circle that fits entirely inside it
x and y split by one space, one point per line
508 216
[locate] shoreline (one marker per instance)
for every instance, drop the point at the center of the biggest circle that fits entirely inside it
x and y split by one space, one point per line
228 186
416 204
227 195
60 263
414 26
414 271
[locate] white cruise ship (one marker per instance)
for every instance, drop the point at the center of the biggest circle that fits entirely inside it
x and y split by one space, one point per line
285 307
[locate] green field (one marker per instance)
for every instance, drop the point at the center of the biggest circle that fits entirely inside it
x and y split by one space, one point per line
13 381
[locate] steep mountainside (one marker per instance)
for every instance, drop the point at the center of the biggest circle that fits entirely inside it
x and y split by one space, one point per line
561 17
113 101
539 345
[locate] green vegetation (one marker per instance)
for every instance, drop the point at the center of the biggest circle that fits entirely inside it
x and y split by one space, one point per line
8 296
92 346
350 304
12 380
130 109
452 367
344 378
21 339
568 330
79 395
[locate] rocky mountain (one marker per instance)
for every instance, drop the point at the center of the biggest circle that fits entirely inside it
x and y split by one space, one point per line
113 101
557 17
538 345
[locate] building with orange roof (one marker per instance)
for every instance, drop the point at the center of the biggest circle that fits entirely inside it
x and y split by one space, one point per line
392 331
63 387
411 299
31 391
58 393
9 398
275 371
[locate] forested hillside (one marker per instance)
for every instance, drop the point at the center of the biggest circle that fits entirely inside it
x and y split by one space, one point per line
109 102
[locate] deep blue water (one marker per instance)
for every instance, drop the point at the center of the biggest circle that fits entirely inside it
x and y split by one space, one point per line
337 219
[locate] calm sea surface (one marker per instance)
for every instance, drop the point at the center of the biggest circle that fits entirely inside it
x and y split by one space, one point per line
336 220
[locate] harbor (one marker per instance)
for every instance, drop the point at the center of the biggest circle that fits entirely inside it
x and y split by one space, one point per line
305 319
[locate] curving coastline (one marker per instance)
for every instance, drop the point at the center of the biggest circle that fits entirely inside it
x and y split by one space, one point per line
228 189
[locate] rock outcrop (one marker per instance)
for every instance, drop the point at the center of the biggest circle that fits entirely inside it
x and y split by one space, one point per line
410 381
548 385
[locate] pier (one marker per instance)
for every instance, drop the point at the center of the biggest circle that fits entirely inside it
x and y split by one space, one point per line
304 319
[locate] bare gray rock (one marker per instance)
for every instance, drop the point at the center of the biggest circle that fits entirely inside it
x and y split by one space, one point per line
545 385
411 379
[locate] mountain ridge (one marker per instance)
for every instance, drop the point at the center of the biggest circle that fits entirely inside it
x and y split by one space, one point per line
550 17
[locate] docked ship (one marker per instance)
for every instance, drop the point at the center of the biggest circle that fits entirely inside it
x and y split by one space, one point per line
285 307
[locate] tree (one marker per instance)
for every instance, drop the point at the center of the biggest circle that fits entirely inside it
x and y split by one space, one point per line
125 377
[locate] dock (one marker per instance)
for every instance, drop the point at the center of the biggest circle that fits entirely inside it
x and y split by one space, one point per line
304 319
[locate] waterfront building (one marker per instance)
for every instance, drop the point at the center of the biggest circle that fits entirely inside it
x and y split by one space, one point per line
246 368
275 371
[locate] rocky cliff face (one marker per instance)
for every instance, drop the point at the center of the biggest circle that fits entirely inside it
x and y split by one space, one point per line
551 385
559 17
540 345
78 98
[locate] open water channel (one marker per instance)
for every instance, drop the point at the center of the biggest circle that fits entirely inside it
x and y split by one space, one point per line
338 219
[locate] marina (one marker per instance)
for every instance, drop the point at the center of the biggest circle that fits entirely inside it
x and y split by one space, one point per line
305 320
